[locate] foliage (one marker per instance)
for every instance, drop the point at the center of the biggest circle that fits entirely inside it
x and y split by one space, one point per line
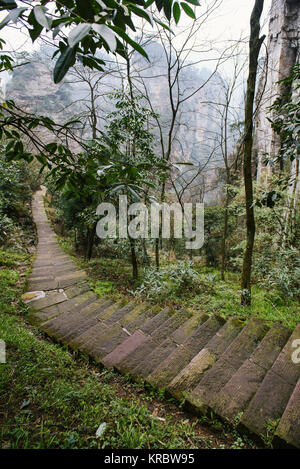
94 25
285 117
171 282
17 180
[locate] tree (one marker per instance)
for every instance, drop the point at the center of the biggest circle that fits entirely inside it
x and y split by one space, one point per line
254 49
94 25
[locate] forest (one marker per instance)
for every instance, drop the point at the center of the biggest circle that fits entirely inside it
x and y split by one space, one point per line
114 339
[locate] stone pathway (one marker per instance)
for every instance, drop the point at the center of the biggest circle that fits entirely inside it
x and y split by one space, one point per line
241 372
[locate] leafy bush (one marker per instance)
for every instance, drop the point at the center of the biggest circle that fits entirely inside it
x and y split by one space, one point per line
283 274
176 280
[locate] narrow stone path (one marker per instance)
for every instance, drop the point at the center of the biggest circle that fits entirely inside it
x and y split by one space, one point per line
242 372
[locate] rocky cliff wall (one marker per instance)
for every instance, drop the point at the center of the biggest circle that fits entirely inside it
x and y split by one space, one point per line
283 50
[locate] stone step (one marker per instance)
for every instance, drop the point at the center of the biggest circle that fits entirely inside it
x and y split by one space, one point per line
91 328
89 318
238 392
103 337
72 310
135 354
190 376
273 395
288 430
170 367
156 321
202 398
160 353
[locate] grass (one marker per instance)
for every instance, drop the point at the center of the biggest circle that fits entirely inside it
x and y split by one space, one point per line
114 277
52 398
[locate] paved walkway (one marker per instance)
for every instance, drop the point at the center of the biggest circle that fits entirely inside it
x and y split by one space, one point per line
241 372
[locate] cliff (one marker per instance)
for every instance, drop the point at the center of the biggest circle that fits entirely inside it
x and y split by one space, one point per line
283 52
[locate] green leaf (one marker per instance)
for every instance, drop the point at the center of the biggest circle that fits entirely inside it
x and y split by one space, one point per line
134 44
194 2
142 13
65 61
42 19
176 12
78 33
188 10
107 34
8 4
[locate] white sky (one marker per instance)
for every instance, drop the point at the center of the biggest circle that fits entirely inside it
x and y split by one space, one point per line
229 22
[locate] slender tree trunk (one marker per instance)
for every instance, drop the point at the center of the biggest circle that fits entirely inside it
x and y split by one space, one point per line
254 48
90 242
224 238
133 259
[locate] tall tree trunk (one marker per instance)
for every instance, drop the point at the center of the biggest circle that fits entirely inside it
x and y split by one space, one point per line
224 237
254 48
133 259
90 242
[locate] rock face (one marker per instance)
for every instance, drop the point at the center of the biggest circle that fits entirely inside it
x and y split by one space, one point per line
283 52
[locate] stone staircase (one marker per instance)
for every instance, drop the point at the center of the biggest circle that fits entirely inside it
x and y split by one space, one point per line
242 372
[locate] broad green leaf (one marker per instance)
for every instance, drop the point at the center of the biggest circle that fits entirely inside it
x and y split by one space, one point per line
176 12
65 61
188 10
134 44
194 2
40 16
15 13
107 34
78 33
142 13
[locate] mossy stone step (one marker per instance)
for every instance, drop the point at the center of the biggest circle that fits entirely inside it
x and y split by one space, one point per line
156 321
135 342
288 430
236 395
168 346
50 299
170 367
273 395
70 310
191 375
203 397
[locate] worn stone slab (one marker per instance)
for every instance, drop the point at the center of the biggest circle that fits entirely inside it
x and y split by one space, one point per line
130 362
111 339
288 430
77 289
191 375
71 278
274 393
203 397
50 299
70 309
154 359
132 343
171 367
188 327
170 325
141 319
156 321
242 386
